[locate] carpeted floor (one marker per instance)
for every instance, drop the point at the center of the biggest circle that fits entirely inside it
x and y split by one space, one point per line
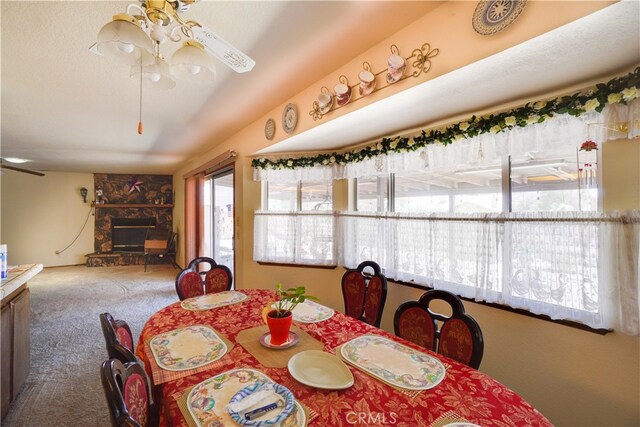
67 345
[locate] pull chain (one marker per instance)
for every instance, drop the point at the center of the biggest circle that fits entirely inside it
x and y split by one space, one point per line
140 127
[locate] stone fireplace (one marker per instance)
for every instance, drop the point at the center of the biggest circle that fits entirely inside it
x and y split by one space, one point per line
134 208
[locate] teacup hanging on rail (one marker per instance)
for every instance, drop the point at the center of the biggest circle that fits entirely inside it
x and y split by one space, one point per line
396 65
342 91
367 80
325 100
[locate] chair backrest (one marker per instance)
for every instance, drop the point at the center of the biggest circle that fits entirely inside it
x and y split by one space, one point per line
364 294
191 282
414 323
459 336
127 389
118 338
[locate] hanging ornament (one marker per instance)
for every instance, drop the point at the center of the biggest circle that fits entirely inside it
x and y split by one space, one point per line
589 146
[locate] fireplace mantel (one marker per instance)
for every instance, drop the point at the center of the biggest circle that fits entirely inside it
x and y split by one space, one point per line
131 205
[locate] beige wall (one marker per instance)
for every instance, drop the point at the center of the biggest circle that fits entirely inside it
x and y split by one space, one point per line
575 378
41 215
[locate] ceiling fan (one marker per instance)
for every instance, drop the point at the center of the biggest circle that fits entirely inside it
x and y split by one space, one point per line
3 165
135 37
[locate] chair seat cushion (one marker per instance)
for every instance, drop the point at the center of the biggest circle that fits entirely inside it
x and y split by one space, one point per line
191 285
136 399
416 325
216 280
125 338
354 287
456 341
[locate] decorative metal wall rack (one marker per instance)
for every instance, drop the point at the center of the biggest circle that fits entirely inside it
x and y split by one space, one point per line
419 63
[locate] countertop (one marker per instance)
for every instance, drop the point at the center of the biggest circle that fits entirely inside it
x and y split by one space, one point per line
18 276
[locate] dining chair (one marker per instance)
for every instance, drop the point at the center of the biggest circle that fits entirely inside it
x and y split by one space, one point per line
364 294
217 277
118 338
192 281
128 392
459 336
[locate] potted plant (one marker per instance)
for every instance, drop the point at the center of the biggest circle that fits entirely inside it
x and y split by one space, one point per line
279 318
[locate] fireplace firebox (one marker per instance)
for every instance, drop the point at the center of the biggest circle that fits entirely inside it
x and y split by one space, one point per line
129 234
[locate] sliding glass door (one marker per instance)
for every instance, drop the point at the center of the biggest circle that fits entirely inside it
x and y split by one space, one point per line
218 217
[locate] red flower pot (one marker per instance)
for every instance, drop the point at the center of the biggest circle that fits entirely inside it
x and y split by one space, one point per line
279 327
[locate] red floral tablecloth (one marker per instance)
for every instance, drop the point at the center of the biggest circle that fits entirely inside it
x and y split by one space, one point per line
472 395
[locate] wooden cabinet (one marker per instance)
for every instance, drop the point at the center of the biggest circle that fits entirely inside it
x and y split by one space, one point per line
21 307
15 359
6 338
15 324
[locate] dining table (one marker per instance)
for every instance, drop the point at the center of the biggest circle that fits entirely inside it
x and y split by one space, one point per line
461 396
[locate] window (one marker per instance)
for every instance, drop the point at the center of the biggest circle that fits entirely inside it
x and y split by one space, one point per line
520 232
298 225
317 197
282 197
531 185
372 194
555 184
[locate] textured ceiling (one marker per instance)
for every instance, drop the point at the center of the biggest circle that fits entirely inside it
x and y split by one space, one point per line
67 109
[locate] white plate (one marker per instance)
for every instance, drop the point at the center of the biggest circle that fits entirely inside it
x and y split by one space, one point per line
319 369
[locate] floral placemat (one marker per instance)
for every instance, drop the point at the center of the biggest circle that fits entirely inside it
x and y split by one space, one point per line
205 404
393 363
211 301
311 312
184 351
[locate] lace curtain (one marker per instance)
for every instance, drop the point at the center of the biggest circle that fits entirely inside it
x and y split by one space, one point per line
575 266
553 137
294 237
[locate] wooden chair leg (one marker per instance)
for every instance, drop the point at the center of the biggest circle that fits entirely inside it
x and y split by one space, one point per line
146 258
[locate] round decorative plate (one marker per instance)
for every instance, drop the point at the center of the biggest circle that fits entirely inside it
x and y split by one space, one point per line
270 129
289 118
492 16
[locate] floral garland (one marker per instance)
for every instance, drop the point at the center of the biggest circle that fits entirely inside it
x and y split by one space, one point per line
618 90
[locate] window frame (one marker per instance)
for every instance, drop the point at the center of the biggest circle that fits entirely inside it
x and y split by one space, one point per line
506 190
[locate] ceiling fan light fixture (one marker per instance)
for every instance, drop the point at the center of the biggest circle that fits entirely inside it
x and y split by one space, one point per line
124 39
156 75
193 64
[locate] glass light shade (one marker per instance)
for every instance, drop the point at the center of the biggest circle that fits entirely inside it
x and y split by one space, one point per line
125 41
157 75
193 64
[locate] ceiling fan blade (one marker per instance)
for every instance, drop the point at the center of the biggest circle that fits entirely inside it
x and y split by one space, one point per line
17 169
223 50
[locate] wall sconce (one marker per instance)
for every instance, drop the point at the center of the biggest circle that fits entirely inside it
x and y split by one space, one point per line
83 193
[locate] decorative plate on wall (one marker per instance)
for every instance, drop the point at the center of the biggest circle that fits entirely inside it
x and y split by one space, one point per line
492 16
289 118
270 129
